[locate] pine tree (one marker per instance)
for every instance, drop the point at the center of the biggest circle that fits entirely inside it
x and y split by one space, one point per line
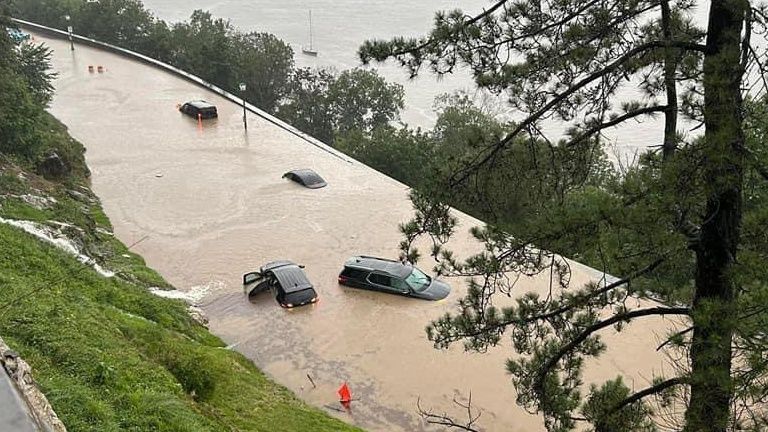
676 226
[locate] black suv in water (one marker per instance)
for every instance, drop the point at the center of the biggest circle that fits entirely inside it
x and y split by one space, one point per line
286 280
380 274
199 107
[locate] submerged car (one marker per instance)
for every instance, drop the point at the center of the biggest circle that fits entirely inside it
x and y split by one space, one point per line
199 108
285 279
306 178
381 274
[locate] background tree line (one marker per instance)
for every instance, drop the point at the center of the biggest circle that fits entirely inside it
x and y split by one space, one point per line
323 103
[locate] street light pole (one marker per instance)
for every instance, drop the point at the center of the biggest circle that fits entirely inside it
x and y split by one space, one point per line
242 96
69 31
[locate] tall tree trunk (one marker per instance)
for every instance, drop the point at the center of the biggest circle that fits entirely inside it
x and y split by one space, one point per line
670 65
714 300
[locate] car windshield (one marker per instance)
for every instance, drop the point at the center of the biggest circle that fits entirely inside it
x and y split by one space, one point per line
418 280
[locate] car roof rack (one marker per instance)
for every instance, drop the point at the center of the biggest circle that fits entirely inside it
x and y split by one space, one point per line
376 258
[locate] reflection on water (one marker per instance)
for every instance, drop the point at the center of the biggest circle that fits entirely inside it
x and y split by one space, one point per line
221 208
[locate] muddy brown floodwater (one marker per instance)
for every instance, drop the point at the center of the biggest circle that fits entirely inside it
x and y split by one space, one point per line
212 205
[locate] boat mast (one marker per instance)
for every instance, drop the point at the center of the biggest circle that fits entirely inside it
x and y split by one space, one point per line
310 30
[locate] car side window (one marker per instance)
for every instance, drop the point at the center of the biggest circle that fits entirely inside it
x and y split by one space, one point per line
380 279
399 285
357 274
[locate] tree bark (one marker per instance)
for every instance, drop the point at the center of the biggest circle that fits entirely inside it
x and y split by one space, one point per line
670 66
715 296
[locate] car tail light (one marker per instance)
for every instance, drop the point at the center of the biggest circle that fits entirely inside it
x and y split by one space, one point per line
343 279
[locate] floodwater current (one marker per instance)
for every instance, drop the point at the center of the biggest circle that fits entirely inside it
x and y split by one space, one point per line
210 204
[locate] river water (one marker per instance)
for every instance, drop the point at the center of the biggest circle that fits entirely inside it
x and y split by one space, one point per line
340 26
210 205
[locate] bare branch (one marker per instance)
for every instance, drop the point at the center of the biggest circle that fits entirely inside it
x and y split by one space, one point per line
446 420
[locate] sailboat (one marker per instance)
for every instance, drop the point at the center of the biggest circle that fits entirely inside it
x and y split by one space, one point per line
309 51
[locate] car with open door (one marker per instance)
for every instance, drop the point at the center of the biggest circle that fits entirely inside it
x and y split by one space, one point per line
394 277
285 279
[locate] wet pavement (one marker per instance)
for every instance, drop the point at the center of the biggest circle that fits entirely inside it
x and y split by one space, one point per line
14 414
212 205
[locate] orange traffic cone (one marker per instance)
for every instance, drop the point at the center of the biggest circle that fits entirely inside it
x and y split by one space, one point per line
345 395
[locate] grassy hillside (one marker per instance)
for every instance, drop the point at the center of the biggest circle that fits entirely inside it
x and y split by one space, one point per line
108 354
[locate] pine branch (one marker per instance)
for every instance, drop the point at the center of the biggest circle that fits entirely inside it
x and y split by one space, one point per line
626 116
654 389
571 305
547 367
429 41
676 335
491 152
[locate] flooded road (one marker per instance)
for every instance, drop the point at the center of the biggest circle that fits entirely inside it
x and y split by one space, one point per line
212 205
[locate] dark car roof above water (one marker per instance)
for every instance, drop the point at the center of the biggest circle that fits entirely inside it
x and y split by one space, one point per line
306 177
201 104
290 276
394 268
275 264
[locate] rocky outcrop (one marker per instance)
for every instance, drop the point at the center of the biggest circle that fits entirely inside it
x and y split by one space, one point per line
53 167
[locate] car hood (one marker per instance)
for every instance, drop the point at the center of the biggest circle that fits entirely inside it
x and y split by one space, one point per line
437 290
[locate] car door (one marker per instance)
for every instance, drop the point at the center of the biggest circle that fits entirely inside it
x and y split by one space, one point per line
384 282
255 283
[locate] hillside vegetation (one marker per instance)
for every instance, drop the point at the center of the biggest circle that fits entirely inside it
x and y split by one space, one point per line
74 301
